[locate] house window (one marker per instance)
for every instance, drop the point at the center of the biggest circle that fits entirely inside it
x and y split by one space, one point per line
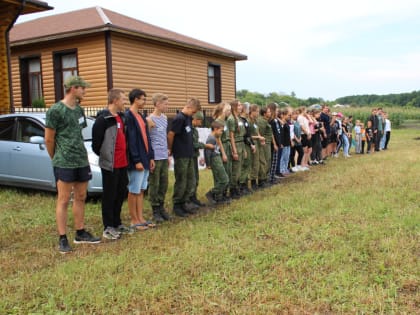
215 86
65 65
30 80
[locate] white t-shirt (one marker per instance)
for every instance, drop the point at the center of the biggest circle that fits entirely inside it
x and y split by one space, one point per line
387 125
304 124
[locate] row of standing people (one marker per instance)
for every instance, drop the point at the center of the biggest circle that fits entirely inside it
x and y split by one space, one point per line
249 148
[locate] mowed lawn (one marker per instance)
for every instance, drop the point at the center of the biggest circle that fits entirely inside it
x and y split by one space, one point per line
343 238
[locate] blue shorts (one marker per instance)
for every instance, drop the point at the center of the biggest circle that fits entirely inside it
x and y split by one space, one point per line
70 175
137 181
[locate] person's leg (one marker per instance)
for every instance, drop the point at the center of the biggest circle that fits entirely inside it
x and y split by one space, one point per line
154 184
180 185
64 190
190 179
109 196
133 192
299 150
121 195
79 198
387 138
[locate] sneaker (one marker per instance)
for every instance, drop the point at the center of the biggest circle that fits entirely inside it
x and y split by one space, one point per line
111 234
63 245
295 169
122 229
86 237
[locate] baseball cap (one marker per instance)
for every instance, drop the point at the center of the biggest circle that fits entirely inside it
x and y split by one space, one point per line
198 115
75 81
340 115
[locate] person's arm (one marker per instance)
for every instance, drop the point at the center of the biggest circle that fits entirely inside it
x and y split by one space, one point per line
222 150
233 144
150 123
171 135
50 141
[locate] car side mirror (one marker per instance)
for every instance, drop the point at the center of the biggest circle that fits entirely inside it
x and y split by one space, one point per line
38 140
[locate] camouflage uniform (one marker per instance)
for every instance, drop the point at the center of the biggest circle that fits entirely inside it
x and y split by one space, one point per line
237 126
197 146
247 162
265 152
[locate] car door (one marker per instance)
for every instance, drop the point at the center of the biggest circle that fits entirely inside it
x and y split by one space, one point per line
7 130
30 164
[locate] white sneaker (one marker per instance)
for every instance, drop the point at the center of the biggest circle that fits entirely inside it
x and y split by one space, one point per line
295 169
111 234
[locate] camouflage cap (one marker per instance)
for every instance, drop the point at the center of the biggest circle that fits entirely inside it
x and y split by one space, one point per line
198 115
75 81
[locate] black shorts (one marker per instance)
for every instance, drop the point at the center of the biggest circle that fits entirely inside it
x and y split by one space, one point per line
305 142
325 142
70 175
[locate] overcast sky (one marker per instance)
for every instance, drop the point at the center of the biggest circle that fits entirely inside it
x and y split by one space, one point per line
316 48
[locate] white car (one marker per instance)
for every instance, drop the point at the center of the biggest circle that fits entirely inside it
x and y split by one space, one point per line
24 158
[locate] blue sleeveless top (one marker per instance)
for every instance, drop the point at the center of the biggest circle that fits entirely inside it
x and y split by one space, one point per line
158 136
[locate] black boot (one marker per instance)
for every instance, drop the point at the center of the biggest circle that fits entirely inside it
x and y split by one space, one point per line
156 214
165 215
234 193
179 211
245 189
226 198
197 202
254 185
190 207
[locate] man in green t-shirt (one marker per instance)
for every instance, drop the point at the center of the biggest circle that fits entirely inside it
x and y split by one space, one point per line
64 141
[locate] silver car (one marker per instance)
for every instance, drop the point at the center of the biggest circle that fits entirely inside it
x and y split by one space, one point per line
24 160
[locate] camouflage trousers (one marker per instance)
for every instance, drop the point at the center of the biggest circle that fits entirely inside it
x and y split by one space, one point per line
237 165
228 165
255 162
184 180
220 178
265 161
158 183
246 165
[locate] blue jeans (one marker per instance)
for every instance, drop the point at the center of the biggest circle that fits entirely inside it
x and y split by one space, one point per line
284 160
346 144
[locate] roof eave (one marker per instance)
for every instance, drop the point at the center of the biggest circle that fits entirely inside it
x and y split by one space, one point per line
113 28
32 6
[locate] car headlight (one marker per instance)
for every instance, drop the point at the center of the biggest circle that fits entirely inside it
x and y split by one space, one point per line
93 159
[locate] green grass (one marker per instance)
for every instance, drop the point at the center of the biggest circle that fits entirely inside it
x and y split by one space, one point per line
342 238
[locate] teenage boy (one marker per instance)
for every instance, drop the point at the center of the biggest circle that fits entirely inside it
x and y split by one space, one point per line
141 159
109 143
158 179
64 141
212 152
180 145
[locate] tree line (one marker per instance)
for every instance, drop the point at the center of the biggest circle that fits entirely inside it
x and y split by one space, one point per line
403 99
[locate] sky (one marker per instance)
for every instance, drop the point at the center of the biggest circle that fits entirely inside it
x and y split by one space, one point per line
322 48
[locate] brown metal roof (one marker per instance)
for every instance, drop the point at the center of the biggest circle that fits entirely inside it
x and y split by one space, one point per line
97 19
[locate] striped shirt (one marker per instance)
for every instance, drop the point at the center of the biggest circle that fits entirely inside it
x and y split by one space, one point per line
158 136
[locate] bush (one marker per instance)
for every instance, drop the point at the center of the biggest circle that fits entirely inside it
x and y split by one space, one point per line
38 103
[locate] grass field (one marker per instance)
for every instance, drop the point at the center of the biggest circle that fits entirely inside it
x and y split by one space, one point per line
343 238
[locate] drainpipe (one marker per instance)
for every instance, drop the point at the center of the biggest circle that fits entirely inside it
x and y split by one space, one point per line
9 68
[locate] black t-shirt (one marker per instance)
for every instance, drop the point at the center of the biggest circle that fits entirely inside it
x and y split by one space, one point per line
285 134
326 120
275 126
182 146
